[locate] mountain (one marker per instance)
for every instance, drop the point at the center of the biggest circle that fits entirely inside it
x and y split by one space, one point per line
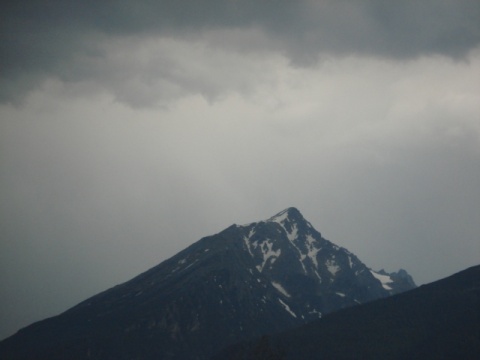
440 320
243 282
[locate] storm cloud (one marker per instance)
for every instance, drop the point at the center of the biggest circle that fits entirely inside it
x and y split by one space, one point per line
129 130
73 41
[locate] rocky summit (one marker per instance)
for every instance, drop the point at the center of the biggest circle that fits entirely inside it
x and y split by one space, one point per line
241 283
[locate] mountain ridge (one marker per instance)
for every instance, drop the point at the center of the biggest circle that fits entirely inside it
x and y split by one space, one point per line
439 320
242 282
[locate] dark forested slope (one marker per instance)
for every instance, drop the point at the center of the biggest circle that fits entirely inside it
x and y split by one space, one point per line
440 320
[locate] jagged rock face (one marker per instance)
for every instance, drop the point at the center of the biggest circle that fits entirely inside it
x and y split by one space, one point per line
311 274
246 281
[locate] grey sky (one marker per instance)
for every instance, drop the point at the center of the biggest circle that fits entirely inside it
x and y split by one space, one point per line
130 130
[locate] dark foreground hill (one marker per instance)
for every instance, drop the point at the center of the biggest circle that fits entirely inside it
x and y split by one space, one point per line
246 281
436 321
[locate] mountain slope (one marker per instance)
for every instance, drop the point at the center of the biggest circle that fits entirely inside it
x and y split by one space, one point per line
436 321
245 281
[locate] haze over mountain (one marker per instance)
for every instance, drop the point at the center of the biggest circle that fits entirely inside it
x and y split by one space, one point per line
243 282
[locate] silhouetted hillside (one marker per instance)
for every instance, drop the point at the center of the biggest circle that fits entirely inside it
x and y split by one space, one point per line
435 321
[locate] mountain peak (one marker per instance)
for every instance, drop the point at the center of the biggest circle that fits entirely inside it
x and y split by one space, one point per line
291 213
291 219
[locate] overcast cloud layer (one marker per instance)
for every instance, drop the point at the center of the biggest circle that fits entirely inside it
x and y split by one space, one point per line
129 130
72 40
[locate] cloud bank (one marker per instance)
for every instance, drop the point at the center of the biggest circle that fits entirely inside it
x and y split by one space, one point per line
75 41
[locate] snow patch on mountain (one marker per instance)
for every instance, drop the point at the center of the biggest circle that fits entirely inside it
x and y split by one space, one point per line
291 235
280 217
315 312
312 250
280 288
268 254
247 245
384 279
246 240
350 263
332 266
287 308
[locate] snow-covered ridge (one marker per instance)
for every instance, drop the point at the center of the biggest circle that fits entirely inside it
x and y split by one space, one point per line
280 217
287 214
